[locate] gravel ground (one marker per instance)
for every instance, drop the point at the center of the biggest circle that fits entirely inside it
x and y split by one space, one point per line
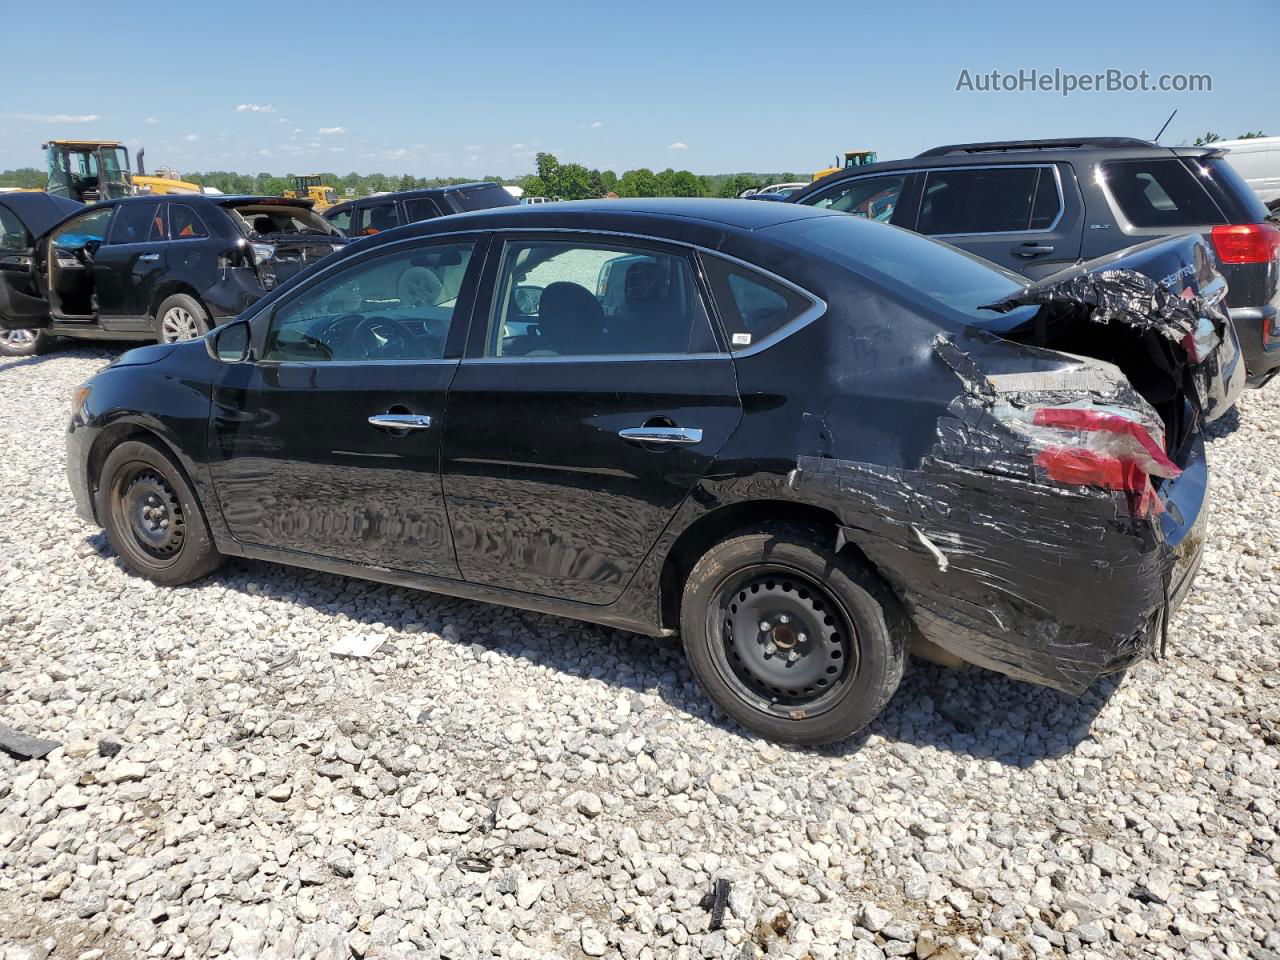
500 783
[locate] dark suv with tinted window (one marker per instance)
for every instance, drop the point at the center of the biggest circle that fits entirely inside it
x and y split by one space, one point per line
1037 206
370 215
169 268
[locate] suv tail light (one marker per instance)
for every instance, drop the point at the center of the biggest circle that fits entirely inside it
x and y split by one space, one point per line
1247 242
1113 448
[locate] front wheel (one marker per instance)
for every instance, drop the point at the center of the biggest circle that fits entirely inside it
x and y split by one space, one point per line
790 640
22 343
179 318
151 516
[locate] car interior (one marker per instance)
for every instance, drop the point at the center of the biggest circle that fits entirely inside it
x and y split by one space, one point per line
641 303
266 220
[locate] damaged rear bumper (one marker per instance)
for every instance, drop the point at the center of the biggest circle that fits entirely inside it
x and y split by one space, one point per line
1052 586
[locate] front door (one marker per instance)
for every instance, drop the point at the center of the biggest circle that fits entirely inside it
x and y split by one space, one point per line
581 419
127 267
328 443
21 306
66 265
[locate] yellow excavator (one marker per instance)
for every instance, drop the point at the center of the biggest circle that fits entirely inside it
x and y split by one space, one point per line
94 170
852 158
312 186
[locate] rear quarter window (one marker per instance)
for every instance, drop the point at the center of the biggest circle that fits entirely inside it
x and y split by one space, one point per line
1159 193
752 307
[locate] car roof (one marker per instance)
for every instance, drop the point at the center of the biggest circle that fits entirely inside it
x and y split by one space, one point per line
695 219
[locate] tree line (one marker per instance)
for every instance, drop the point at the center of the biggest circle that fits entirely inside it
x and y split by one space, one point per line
567 181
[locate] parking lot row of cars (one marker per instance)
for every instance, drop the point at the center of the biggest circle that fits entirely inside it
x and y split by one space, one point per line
806 441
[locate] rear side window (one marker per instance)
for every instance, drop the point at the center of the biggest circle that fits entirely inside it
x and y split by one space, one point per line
375 219
1159 193
133 223
872 198
185 223
987 200
752 306
424 208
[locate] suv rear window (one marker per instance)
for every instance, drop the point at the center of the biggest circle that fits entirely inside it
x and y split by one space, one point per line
482 198
1159 193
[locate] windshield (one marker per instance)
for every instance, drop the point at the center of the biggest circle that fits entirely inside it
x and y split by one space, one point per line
932 273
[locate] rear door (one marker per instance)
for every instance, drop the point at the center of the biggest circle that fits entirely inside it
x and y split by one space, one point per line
420 208
328 444
576 426
127 267
376 217
1025 217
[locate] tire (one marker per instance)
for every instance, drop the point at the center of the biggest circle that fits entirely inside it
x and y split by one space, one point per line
152 517
840 620
180 318
23 343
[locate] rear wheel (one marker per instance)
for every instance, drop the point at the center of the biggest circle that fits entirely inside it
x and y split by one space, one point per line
790 640
151 516
181 317
22 343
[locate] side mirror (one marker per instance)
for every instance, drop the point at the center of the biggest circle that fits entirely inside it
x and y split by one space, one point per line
229 343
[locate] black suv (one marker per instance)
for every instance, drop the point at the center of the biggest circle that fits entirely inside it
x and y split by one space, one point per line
168 268
1037 206
370 215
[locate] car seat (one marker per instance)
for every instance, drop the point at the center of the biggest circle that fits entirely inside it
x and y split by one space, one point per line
570 321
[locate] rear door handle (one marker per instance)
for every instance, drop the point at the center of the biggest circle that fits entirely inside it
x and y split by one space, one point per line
149 257
401 421
1031 250
665 435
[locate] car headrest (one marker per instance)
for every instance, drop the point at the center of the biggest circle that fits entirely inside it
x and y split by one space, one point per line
568 312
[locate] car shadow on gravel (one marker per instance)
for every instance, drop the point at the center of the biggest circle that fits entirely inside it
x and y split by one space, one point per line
970 712
1224 426
79 352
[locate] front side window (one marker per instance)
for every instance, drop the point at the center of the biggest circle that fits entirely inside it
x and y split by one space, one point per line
577 299
79 232
185 223
394 307
752 306
134 222
375 219
13 234
341 220
988 200
872 198
1159 193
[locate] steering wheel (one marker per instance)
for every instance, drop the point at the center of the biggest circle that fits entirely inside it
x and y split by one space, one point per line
373 336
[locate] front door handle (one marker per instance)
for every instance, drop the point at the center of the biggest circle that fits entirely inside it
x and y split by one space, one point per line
149 257
1031 250
664 435
401 421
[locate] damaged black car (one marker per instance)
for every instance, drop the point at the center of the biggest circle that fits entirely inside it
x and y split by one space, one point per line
807 443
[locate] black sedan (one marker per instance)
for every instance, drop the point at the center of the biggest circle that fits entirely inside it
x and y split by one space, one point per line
806 442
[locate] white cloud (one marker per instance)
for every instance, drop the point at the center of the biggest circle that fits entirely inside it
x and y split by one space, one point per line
296 131
255 108
395 154
54 117
330 131
337 149
152 120
472 147
678 145
595 125
314 144
283 120
517 146
191 137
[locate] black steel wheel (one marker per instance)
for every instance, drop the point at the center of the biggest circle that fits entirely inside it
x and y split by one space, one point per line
788 638
151 515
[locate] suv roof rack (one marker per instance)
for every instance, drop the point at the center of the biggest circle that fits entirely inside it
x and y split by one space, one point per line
1079 143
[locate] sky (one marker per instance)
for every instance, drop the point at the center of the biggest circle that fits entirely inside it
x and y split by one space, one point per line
434 89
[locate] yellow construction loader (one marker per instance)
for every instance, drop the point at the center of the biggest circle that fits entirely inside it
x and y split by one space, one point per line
852 158
311 186
94 170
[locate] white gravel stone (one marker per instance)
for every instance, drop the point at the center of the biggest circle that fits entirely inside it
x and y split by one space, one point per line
267 799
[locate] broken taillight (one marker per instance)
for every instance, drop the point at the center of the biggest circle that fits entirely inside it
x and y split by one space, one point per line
1089 445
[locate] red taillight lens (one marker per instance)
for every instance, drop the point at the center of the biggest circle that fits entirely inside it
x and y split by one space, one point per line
1112 448
1247 243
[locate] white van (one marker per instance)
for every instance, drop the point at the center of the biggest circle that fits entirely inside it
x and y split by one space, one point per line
1257 160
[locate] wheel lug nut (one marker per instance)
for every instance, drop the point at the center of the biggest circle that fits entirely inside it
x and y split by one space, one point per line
784 618
801 638
792 657
769 648
765 626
